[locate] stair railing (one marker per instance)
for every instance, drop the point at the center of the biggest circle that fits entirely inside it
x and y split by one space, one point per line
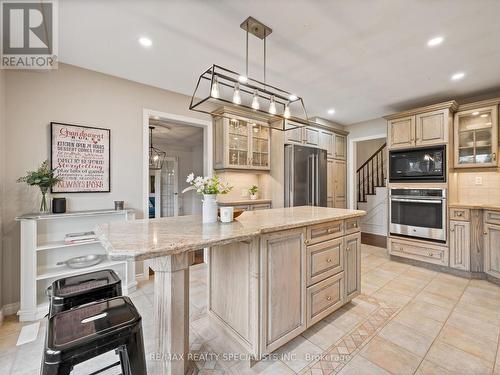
371 174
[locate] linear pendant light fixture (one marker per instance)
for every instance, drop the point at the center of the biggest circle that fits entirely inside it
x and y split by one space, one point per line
218 86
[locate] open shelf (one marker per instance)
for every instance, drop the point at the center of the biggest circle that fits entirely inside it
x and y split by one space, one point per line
62 244
44 273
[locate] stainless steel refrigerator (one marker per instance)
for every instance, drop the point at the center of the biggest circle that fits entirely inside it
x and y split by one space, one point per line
305 176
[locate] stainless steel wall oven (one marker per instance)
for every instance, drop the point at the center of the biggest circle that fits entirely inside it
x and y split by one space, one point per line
419 213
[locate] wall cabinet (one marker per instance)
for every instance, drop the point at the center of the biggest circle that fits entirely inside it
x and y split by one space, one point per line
476 137
340 147
423 129
241 144
352 266
326 142
311 136
460 245
492 249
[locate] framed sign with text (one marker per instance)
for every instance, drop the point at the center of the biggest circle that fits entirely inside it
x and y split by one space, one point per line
81 155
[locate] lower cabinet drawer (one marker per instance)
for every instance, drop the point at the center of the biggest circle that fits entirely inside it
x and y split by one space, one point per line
420 251
324 298
325 231
462 214
351 226
492 217
324 259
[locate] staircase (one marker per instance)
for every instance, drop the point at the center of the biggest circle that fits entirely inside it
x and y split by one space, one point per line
371 174
372 193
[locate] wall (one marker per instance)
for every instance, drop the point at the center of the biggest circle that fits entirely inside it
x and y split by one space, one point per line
2 173
365 149
78 96
371 129
241 182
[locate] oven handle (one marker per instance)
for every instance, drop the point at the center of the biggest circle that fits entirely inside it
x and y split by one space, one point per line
435 201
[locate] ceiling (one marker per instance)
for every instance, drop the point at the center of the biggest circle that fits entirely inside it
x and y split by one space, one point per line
363 58
178 135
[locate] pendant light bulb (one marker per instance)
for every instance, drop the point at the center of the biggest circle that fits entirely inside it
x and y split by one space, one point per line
255 100
272 106
214 92
236 94
286 114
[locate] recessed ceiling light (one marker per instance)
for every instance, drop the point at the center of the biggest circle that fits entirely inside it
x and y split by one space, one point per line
457 76
242 79
475 113
293 97
436 41
331 111
145 42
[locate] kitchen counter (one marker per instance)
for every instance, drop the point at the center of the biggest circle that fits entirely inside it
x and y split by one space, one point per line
145 239
475 206
283 268
243 202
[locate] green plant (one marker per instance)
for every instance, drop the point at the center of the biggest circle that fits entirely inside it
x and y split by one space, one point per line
44 177
253 189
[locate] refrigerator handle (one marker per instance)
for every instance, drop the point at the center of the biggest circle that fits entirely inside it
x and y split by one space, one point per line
313 180
310 182
316 176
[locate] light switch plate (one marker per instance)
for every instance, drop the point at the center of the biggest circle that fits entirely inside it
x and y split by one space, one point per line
479 180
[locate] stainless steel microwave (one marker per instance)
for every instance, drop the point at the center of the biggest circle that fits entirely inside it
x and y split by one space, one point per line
427 164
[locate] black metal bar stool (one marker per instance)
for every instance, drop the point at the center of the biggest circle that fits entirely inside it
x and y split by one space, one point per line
84 332
78 290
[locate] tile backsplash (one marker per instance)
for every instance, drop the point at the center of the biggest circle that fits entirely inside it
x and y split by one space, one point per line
475 187
241 182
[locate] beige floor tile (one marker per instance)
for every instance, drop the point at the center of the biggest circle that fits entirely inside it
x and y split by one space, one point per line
493 294
484 285
461 339
456 360
374 260
497 370
429 368
367 288
402 288
442 289
324 334
474 325
376 278
407 338
391 298
361 307
423 325
362 366
488 315
485 302
265 367
428 310
452 280
390 357
10 325
420 273
297 353
394 267
344 319
435 299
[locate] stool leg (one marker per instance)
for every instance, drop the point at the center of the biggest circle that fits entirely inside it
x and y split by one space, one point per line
136 355
124 360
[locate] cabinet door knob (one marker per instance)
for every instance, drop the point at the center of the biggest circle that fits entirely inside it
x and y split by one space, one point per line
485 233
355 225
459 213
452 230
329 260
328 298
330 230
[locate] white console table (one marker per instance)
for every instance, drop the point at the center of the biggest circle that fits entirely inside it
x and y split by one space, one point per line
43 246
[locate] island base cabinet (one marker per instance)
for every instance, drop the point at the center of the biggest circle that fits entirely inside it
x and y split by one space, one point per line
492 250
352 265
283 289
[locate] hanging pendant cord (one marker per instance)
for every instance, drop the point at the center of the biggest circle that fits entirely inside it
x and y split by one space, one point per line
265 37
246 72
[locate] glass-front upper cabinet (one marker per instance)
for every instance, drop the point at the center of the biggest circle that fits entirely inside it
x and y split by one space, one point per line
476 137
241 143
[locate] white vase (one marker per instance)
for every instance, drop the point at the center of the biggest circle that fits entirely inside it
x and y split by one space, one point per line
253 196
209 208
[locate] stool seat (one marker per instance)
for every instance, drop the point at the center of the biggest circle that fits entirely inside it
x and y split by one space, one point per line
78 290
76 335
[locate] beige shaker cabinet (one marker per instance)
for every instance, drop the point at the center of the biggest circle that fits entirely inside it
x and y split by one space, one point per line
432 128
339 183
352 259
327 142
492 249
311 136
460 245
340 147
401 132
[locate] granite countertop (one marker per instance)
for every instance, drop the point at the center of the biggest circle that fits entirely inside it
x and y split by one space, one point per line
145 239
476 206
243 202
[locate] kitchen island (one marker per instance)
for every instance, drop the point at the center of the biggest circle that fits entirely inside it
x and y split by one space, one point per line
272 273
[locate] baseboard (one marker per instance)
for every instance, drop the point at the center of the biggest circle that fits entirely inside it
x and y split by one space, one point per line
10 309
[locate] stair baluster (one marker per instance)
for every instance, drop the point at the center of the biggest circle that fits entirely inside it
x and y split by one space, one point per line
371 174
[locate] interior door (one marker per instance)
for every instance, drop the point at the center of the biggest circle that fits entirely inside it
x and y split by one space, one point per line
170 188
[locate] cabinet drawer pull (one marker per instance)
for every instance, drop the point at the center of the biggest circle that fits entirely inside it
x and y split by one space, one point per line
330 230
459 213
329 260
328 298
355 225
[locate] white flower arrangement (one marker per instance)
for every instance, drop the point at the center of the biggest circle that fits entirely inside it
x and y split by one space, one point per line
207 185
